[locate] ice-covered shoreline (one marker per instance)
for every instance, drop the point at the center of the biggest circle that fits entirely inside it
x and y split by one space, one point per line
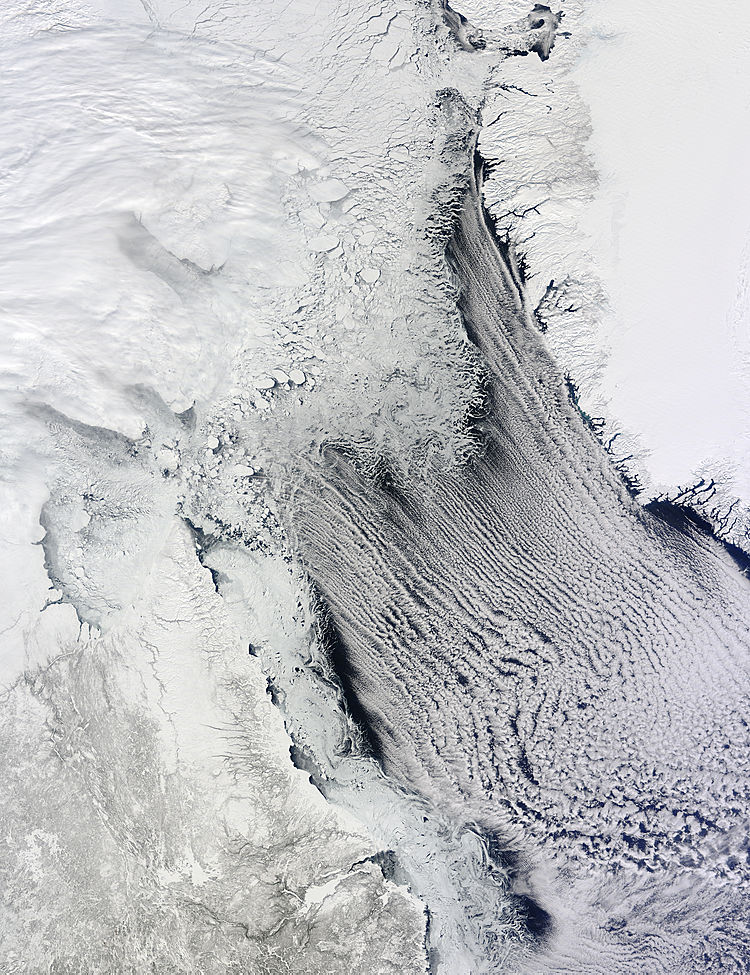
216 312
621 137
226 267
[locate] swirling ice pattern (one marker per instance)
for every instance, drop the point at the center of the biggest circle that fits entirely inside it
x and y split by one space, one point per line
536 652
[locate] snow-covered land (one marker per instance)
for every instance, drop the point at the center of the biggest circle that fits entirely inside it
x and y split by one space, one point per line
215 262
178 182
252 525
619 170
670 226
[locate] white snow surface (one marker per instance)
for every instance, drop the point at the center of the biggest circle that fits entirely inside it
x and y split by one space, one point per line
218 207
670 222
209 261
620 173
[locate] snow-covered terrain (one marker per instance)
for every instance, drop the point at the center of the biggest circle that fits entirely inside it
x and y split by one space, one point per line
172 202
331 640
211 266
619 170
670 225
